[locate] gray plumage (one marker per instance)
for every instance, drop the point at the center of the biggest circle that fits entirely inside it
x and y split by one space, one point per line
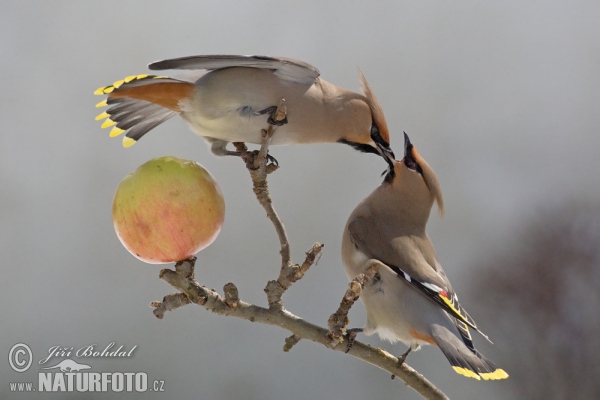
411 298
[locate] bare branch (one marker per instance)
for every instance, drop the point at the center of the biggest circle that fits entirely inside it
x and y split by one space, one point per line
212 301
338 320
258 172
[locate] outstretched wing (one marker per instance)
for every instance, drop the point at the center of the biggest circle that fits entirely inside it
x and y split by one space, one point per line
284 68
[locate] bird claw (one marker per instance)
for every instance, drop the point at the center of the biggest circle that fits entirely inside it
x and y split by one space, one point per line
272 160
274 119
275 122
351 336
249 156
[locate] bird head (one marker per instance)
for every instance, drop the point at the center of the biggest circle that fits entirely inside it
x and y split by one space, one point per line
415 179
380 134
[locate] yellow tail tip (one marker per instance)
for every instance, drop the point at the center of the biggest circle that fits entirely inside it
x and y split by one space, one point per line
466 372
116 132
102 116
107 123
487 376
128 142
497 374
118 83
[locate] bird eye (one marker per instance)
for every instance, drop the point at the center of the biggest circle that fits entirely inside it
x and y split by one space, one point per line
411 164
374 129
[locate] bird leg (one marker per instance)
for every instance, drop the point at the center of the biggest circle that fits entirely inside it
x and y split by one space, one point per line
218 147
351 334
402 358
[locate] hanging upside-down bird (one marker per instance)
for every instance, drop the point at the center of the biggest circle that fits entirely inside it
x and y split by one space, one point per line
231 98
410 299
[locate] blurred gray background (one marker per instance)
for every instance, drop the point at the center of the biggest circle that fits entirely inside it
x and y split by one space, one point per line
501 98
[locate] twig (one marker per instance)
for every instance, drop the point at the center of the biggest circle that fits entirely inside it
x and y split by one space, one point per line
338 320
289 275
291 342
232 298
170 302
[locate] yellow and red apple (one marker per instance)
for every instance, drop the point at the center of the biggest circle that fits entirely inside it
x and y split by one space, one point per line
168 210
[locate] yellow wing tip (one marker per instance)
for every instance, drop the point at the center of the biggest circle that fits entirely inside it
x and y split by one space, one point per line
449 304
103 103
128 142
116 131
462 317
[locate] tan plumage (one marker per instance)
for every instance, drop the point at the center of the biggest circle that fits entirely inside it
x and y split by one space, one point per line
230 98
411 298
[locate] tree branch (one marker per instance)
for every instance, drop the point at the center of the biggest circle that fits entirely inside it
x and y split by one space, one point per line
300 328
260 164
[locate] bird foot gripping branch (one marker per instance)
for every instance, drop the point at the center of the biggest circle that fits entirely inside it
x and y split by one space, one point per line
257 158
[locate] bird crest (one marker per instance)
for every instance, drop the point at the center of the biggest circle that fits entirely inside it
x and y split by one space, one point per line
376 110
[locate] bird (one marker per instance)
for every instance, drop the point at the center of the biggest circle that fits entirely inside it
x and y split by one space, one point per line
231 98
410 298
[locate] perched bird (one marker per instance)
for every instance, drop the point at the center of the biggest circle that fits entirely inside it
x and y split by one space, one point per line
410 299
228 98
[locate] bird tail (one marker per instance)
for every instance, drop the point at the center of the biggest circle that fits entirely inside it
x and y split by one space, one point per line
139 103
469 363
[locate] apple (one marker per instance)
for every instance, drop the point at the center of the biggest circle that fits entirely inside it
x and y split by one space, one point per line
168 210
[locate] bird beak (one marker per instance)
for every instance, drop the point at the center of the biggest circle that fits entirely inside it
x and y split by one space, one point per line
388 155
409 156
386 152
407 145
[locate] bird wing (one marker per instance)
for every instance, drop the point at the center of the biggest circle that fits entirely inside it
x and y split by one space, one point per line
284 68
405 256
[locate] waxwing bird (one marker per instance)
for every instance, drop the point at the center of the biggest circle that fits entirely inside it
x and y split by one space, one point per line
226 98
410 299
